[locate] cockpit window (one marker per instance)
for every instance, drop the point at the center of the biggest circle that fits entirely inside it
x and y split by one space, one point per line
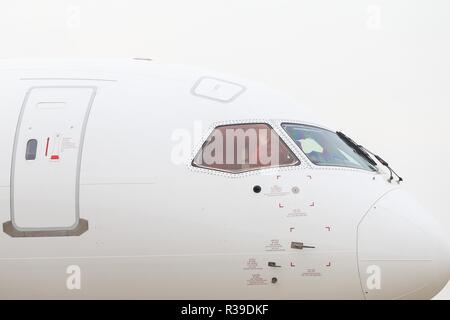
244 147
326 148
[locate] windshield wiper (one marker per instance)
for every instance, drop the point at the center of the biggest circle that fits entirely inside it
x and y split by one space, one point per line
362 151
384 163
358 149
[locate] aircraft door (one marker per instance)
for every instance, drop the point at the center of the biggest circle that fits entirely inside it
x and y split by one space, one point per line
46 161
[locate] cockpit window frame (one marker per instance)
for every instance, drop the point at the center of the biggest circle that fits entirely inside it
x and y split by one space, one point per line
284 123
280 134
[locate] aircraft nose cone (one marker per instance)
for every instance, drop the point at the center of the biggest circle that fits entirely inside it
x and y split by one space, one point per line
402 252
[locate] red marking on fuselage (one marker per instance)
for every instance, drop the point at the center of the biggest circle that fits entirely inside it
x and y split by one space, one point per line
54 157
46 147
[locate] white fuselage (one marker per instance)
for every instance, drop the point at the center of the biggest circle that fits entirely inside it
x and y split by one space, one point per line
110 206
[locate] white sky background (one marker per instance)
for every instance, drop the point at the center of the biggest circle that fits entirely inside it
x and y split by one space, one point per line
378 70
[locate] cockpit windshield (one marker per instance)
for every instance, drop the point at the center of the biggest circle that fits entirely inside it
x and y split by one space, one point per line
326 148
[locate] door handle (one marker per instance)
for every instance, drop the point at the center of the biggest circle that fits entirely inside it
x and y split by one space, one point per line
273 265
300 246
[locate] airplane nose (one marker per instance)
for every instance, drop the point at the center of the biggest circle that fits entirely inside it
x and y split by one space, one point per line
402 252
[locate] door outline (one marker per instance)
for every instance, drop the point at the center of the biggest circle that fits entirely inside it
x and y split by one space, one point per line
81 225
